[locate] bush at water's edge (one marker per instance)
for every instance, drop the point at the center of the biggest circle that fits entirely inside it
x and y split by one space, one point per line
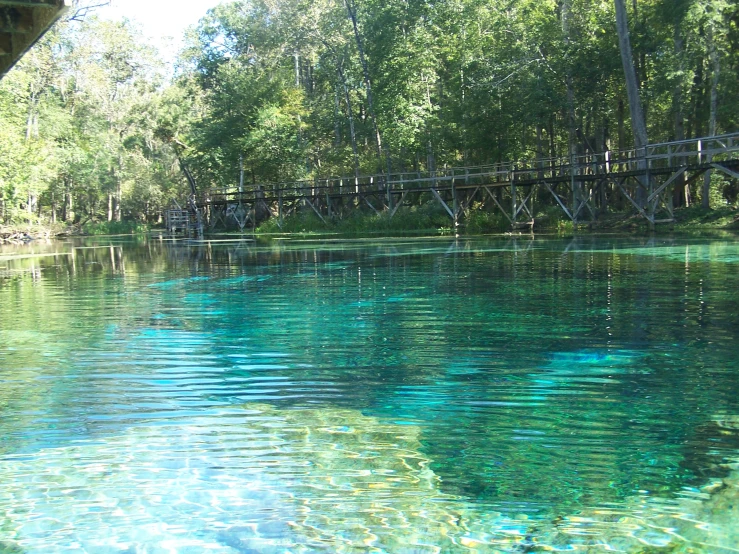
25 233
430 218
115 228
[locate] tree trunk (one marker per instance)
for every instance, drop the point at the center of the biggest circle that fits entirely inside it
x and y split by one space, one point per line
540 149
552 139
365 70
297 69
566 8
697 97
31 114
632 89
110 207
677 93
118 197
337 121
352 132
716 73
621 125
678 191
67 203
638 124
463 98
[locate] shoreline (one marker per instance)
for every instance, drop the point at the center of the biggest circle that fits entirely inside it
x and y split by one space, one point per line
687 220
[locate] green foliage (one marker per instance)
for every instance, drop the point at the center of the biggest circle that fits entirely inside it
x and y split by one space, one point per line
80 138
424 218
461 82
427 218
298 224
721 190
696 217
93 132
552 218
115 228
481 222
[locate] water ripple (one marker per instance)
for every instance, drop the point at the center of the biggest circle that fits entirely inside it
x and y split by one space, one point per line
408 397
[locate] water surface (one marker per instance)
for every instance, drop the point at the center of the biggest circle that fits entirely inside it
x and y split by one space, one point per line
418 395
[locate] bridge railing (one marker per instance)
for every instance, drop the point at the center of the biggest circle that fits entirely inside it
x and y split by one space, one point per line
446 176
654 156
694 151
401 181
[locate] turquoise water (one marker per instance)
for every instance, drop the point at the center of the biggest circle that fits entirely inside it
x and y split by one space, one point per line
417 395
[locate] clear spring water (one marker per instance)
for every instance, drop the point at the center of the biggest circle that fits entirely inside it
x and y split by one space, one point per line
418 395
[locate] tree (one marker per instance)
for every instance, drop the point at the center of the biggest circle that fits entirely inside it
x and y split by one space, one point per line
638 122
89 94
303 89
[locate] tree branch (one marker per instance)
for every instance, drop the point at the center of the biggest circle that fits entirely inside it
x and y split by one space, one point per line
81 12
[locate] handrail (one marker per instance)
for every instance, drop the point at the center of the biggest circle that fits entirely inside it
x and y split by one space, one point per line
652 156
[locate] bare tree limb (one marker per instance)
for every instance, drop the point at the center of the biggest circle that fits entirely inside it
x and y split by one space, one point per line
81 12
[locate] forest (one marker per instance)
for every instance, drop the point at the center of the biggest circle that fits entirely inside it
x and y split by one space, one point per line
95 127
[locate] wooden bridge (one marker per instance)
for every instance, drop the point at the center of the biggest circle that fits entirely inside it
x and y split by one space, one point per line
582 186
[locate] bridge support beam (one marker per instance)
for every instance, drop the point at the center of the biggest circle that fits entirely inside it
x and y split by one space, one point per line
726 170
22 23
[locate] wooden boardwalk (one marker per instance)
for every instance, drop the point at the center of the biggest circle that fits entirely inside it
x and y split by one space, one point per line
582 186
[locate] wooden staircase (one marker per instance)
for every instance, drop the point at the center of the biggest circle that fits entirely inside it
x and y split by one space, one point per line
185 222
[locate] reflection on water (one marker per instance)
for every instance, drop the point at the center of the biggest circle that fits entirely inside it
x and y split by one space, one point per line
422 395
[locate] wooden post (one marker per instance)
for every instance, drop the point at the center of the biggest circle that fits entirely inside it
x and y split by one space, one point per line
241 175
279 207
648 169
389 193
455 206
514 200
573 184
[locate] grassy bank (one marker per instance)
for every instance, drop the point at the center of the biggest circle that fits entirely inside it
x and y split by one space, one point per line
427 219
114 228
432 219
691 219
25 232
417 219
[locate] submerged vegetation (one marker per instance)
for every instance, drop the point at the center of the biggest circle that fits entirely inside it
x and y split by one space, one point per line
382 484
94 128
